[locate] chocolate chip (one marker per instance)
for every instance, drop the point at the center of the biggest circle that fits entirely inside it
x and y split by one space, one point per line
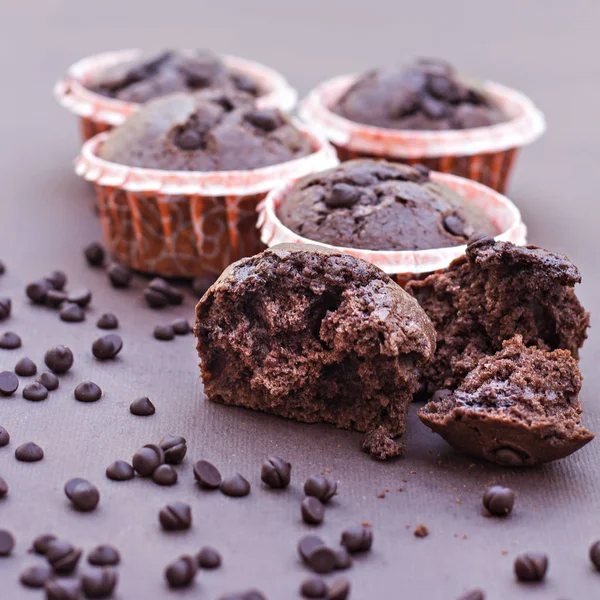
454 225
142 407
175 448
479 240
175 517
10 341
59 359
339 590
7 542
25 367
357 539
181 326
119 275
88 391
421 531
55 298
164 332
321 559
165 475
245 84
307 544
322 488
172 294
48 380
235 486
435 109
35 392
94 254
29 452
81 297
63 556
4 437
9 383
207 475
57 279
3 487
5 307
107 321
343 195
595 554
443 87
72 313
84 495
189 139
473 595
208 558
312 510
146 459
36 290
155 299
247 595
181 572
531 566
69 487
99 583
509 457
2 267
120 471
42 543
104 555
343 558
267 119
63 589
313 587
107 346
422 169
276 472
406 103
499 500
201 284
35 576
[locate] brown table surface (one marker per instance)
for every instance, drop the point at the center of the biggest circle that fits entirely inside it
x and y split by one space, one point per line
549 50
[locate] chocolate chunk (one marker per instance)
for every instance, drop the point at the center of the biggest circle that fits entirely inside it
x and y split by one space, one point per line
9 383
63 556
473 595
454 225
267 119
94 254
83 494
343 558
235 486
175 517
312 510
142 407
29 452
499 500
208 558
35 576
35 392
164 332
189 139
104 556
36 290
88 391
107 346
48 380
63 589
322 488
175 448
322 559
25 367
99 583
81 298
3 487
181 326
59 359
181 572
55 298
57 279
165 475
42 543
531 566
9 340
172 294
339 590
119 275
357 539
201 284
421 531
7 542
276 472
307 544
5 307
147 459
107 321
595 554
207 475
120 471
313 587
343 195
4 437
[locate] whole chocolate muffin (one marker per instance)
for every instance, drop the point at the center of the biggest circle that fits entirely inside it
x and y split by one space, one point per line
376 205
516 408
168 72
496 291
313 335
427 95
207 131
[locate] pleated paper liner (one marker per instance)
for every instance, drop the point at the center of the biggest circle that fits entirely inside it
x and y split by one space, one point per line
186 224
98 113
406 264
484 154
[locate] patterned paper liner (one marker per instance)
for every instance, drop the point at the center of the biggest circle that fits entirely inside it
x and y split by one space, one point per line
99 113
186 224
406 264
484 154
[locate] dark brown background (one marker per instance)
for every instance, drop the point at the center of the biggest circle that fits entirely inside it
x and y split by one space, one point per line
548 49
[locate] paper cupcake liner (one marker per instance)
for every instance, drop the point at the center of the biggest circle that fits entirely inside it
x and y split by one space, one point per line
99 113
406 264
186 224
484 154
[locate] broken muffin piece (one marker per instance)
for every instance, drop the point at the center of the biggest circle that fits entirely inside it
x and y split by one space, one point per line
496 291
516 408
314 335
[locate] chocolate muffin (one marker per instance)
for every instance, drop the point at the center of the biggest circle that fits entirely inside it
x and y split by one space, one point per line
168 72
427 95
377 205
516 408
313 335
494 292
207 131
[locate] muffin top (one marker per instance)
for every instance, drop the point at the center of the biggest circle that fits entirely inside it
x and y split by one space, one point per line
427 95
376 205
169 71
207 131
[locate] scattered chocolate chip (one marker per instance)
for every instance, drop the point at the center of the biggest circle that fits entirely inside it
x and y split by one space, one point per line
175 448
63 589
343 195
88 391
99 583
57 279
4 437
3 487
235 486
25 367
201 284
7 542
94 254
595 554
208 558
276 472
107 321
120 471
312 510
62 556
142 407
473 595
104 556
499 500
107 346
314 587
146 459
322 488
207 475
421 531
70 485
175 517
48 380
339 590
81 298
119 275
9 340
181 326
29 452
267 119
531 566
2 267
165 475
307 544
172 294
59 359
83 494
343 558
42 543
321 559
9 383
247 595
55 298
36 290
181 572
35 392
35 576
164 332
5 308
357 539
155 299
